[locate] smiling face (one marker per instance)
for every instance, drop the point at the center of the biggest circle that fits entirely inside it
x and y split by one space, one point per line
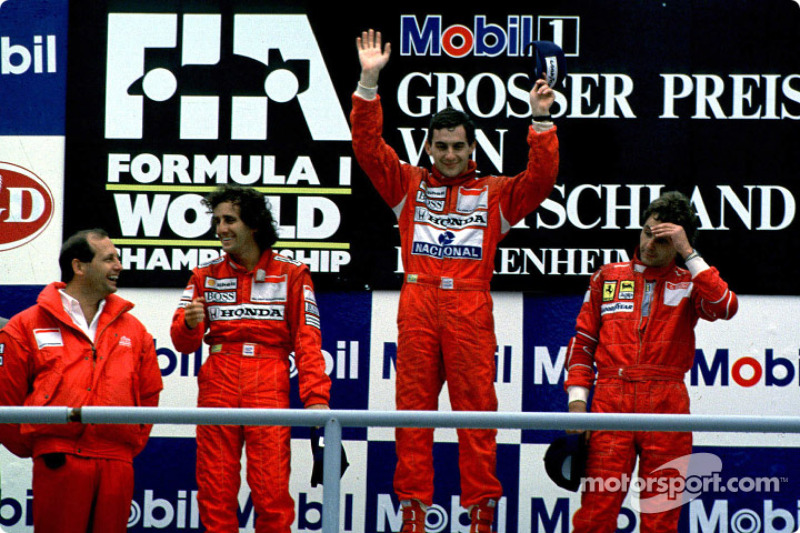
655 251
237 238
450 151
100 275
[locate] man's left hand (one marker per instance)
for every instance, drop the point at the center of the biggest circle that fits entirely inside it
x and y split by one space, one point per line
542 97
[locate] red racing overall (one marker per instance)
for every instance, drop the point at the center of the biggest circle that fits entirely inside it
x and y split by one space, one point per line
253 321
636 326
449 231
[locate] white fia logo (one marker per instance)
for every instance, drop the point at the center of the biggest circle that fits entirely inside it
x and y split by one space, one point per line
255 36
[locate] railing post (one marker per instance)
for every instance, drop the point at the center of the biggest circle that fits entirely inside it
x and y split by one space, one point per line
331 475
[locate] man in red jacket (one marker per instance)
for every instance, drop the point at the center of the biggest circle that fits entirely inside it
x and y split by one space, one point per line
79 346
636 328
451 221
253 308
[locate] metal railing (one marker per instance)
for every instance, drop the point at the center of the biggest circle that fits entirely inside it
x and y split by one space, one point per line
334 420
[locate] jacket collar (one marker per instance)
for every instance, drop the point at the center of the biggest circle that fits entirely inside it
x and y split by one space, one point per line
262 264
470 174
50 300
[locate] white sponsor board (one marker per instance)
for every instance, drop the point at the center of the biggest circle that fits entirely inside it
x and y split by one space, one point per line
33 258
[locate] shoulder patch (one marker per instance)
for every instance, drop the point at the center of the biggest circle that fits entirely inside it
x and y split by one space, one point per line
205 264
284 259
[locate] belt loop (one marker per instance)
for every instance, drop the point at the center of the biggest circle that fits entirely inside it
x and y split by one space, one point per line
447 283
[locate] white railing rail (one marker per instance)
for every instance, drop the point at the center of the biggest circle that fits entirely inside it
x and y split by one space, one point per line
334 420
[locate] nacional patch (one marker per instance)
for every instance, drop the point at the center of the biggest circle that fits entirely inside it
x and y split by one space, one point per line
222 284
447 244
609 289
48 337
627 289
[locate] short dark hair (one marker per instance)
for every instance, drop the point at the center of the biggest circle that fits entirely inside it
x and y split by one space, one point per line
254 210
77 247
451 118
674 207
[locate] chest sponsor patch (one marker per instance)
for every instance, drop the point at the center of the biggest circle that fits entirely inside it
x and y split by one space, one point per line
221 284
272 289
470 200
616 307
675 292
48 337
221 313
432 197
450 220
627 288
228 297
446 244
609 289
436 193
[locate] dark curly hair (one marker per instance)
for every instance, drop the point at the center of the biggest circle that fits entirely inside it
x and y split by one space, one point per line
451 118
254 210
676 208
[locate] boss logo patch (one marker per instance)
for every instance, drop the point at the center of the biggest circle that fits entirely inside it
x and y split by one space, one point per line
220 297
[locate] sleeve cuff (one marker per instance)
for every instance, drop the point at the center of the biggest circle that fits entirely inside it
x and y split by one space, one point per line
696 265
367 93
542 126
576 393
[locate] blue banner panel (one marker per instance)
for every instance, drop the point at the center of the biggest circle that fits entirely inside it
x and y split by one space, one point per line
548 324
33 66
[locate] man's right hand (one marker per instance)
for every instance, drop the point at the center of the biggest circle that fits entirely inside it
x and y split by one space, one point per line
371 57
194 313
577 406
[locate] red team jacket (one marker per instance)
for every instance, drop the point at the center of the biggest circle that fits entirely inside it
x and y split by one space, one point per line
621 335
45 360
271 310
451 229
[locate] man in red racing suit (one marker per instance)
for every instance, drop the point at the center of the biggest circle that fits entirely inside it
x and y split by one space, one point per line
450 223
636 327
253 307
79 346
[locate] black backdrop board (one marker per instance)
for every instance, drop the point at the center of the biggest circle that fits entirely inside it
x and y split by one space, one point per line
167 99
